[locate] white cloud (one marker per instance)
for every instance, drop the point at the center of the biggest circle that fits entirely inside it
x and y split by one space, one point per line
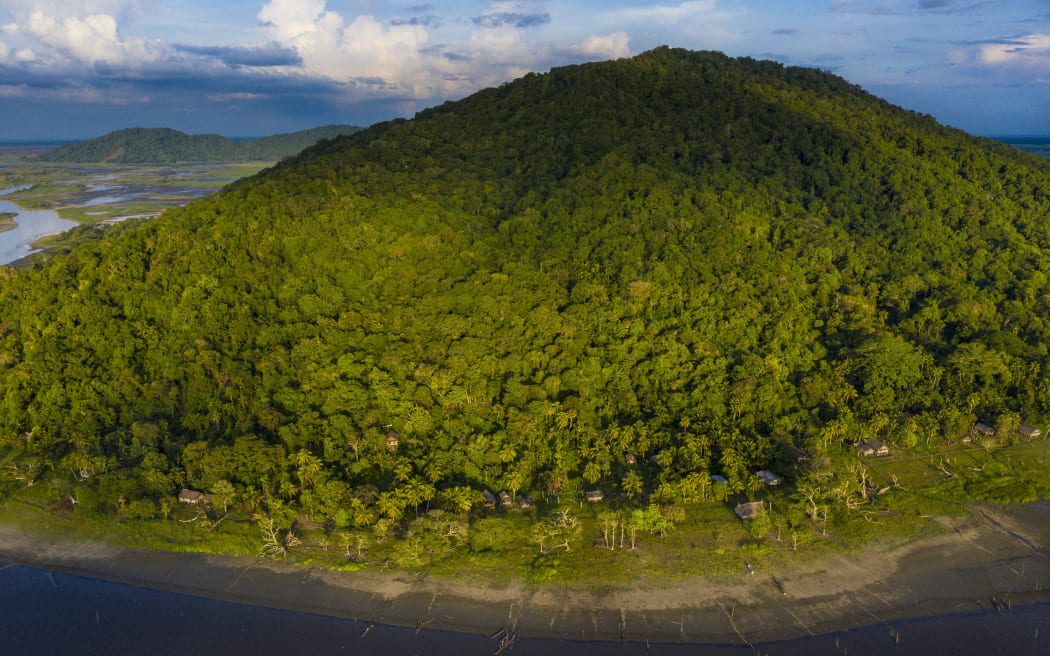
5 50
693 24
611 46
500 45
92 40
381 59
667 14
292 19
365 48
1032 50
25 55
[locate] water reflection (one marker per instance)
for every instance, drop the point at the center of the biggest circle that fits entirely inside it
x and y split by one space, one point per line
50 612
31 225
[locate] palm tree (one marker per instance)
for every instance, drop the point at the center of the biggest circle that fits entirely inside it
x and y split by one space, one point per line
307 467
224 493
459 499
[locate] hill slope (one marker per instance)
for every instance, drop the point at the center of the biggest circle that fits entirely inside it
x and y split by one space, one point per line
627 275
163 145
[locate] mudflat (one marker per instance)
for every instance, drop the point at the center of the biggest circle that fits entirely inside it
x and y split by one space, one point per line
995 557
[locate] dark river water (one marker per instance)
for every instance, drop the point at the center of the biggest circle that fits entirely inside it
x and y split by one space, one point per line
44 613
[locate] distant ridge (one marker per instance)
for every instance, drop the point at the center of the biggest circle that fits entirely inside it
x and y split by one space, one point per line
164 145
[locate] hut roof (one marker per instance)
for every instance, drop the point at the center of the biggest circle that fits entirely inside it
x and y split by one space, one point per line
190 496
768 477
1027 430
749 509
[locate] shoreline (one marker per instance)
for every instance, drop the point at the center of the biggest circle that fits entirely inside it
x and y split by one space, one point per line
995 556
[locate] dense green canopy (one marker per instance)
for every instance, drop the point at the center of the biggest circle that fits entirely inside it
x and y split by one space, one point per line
163 146
627 275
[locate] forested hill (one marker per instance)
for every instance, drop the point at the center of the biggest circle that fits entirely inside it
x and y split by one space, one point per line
163 145
624 276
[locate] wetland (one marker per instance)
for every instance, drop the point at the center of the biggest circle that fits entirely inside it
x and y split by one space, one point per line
43 200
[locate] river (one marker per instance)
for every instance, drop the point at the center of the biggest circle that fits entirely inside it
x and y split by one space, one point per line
52 612
31 226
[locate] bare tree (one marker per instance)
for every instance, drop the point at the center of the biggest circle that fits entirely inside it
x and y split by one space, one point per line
273 545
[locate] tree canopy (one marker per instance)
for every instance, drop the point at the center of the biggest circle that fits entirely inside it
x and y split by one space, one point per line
628 275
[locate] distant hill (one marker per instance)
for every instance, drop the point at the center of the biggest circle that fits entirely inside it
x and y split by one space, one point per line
164 145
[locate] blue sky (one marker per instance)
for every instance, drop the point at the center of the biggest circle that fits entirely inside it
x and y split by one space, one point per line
80 68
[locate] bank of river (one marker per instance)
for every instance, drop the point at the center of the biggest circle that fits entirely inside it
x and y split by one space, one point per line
51 612
980 587
30 226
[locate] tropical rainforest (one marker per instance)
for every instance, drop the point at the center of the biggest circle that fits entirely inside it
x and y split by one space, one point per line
165 146
625 277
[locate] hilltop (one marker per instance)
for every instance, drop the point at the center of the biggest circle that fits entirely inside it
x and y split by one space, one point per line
164 145
624 277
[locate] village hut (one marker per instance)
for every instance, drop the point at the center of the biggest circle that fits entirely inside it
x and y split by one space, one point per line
983 430
392 440
195 497
768 477
489 500
715 478
525 503
1028 432
748 509
872 448
504 500
594 496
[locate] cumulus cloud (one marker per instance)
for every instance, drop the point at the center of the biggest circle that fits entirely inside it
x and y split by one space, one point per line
394 59
1031 50
91 40
502 46
360 51
611 46
292 19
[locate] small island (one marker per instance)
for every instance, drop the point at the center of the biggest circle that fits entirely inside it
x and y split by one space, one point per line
7 220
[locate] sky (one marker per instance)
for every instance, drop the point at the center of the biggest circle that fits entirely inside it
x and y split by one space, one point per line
75 69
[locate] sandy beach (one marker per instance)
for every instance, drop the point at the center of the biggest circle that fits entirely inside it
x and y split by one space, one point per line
995 557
